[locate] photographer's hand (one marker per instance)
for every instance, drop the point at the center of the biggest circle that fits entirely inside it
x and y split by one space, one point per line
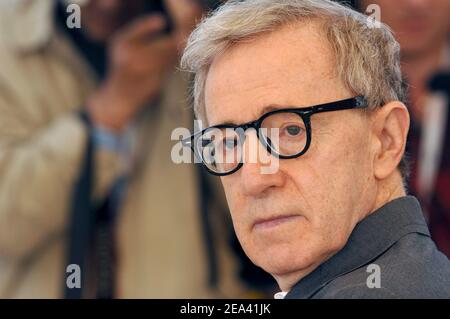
139 59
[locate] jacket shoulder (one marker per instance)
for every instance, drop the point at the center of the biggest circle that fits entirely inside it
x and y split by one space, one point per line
411 268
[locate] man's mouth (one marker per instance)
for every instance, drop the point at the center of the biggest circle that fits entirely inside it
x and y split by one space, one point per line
273 221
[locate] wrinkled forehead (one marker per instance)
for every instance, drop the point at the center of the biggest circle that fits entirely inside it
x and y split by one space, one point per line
291 66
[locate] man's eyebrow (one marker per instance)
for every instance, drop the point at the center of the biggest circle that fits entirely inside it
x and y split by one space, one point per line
226 123
264 110
272 107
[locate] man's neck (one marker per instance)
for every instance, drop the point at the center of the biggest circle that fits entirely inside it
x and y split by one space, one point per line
287 281
388 190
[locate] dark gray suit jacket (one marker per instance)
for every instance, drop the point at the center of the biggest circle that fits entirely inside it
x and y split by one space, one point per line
396 240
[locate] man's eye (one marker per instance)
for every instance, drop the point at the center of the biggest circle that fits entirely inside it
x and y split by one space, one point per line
293 130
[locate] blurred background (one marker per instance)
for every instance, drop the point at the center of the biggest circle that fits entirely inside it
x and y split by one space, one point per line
90 93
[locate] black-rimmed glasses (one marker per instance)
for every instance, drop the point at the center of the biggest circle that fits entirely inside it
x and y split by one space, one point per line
285 133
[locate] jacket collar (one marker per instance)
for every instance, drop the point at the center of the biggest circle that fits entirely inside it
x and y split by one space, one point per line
371 237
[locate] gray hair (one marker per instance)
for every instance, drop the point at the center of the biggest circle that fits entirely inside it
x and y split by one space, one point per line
367 56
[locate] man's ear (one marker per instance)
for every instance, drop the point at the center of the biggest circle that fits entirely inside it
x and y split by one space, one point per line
390 127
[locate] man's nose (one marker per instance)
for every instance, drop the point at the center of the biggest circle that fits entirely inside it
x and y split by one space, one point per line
255 179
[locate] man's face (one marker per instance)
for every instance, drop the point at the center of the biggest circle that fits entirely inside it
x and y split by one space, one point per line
305 212
418 24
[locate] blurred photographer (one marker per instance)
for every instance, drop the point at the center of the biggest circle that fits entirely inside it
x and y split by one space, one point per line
86 178
422 29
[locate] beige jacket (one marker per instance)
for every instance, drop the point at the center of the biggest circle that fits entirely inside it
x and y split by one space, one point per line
160 240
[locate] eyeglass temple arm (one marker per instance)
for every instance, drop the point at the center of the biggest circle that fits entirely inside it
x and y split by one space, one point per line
358 102
189 141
